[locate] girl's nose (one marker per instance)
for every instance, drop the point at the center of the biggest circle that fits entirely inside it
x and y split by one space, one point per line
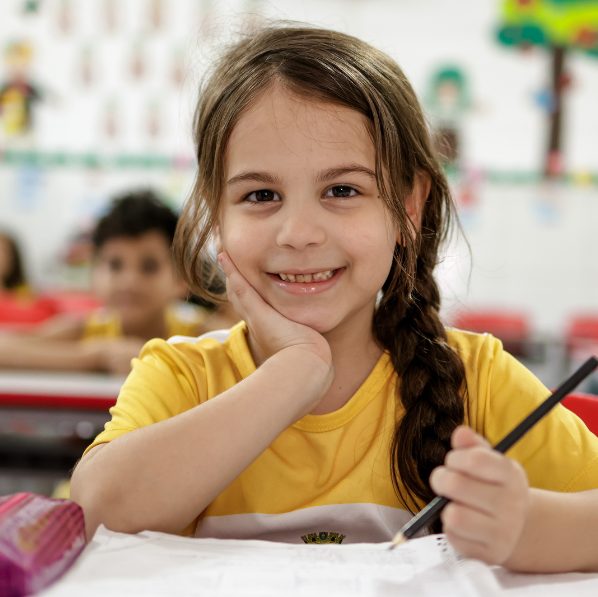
301 227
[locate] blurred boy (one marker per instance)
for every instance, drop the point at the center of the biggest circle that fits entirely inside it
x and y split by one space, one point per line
134 277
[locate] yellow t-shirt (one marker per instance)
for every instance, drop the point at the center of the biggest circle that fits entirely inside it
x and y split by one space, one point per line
182 319
326 478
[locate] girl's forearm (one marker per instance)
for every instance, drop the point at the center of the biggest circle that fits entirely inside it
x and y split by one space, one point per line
560 535
162 476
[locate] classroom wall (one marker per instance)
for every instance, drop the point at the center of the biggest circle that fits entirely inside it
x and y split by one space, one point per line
531 243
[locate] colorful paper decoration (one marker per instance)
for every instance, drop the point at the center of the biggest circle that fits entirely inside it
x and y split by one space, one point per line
65 17
156 14
111 125
152 119
86 66
446 102
18 94
137 61
557 26
109 10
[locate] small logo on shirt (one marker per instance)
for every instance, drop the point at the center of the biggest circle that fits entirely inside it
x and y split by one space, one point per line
323 537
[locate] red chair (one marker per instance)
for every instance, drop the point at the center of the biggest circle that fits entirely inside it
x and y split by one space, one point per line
585 406
582 331
512 327
20 313
73 301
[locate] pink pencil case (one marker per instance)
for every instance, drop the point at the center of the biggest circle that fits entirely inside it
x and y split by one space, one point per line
40 538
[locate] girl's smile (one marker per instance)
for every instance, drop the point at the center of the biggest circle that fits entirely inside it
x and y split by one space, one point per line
307 282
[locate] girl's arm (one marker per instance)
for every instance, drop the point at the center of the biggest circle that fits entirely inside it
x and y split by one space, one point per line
162 476
494 516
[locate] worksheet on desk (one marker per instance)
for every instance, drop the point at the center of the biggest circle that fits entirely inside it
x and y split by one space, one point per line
156 564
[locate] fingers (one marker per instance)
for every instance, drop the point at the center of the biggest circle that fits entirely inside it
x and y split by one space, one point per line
461 488
466 437
473 455
477 535
236 284
241 294
476 474
269 329
489 498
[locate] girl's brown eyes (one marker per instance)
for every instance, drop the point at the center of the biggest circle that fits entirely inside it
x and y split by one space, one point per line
263 195
342 190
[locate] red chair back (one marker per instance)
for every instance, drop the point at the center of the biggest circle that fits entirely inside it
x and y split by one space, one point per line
73 301
512 327
23 312
582 331
585 406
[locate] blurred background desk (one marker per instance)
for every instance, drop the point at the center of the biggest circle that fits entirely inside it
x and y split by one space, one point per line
46 421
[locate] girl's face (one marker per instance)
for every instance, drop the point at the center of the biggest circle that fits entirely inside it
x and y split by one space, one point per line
300 213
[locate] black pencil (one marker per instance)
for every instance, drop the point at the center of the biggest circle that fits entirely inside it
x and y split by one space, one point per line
433 509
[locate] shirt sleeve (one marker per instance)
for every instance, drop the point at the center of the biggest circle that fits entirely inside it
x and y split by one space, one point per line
559 453
161 385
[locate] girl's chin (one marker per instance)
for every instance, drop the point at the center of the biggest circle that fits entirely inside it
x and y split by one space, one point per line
319 324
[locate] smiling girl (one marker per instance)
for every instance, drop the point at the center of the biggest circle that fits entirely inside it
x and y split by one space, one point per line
329 413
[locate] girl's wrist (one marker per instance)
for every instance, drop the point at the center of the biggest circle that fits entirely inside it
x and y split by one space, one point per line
304 375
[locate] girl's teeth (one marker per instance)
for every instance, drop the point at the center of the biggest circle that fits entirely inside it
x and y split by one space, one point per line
317 277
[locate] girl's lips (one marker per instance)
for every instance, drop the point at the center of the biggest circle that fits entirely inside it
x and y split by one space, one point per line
303 288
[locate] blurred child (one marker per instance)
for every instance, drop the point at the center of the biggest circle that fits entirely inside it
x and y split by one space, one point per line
135 279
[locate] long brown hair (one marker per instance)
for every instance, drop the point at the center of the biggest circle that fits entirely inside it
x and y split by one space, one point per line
338 68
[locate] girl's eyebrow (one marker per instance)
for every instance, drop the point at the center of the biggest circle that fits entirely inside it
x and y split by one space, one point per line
326 175
323 176
253 177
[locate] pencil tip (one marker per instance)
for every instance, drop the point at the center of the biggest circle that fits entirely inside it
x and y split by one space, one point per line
398 539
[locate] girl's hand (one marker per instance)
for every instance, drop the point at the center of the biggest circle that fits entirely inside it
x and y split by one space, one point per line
489 497
270 331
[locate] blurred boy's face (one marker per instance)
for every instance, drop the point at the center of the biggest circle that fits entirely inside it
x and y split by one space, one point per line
135 277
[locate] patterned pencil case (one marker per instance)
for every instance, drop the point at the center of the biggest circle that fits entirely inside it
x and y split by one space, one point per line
40 538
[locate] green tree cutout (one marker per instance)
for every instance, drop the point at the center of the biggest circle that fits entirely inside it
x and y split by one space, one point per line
559 26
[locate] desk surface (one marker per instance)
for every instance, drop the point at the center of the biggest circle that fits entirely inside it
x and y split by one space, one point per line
58 390
155 564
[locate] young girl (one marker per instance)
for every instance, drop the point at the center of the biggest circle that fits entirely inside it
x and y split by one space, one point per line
329 414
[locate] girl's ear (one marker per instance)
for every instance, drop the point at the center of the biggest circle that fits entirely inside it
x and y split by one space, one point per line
416 200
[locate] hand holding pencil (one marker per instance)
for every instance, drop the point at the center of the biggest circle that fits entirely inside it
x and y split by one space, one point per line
485 494
489 498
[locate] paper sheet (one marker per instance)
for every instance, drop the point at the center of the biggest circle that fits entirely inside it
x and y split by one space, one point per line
156 564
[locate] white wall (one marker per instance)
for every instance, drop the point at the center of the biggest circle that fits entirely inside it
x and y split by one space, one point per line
532 245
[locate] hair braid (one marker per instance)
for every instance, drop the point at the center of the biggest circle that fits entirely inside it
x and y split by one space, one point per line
431 378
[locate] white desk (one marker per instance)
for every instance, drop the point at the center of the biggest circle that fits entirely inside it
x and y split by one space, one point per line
155 564
59 390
